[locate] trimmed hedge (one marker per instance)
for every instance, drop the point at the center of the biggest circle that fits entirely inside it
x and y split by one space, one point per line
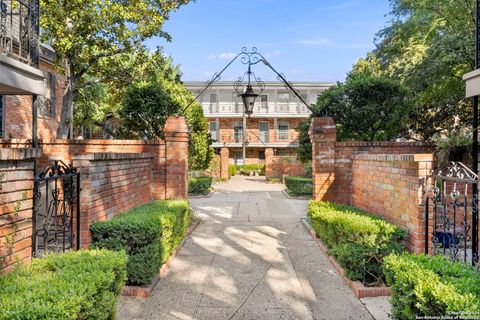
357 240
73 285
232 170
149 234
432 286
199 185
248 169
299 186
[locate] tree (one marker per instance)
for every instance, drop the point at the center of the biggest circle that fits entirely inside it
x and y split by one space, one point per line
304 151
86 33
145 110
148 103
428 46
366 108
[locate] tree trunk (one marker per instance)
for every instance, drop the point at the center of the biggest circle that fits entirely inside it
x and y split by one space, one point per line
67 111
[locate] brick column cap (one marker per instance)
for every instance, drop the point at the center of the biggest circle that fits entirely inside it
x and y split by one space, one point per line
176 124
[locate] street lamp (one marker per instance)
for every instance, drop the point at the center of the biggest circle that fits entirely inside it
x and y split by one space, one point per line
248 98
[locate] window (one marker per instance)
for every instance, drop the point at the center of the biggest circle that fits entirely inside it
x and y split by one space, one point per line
2 115
238 132
237 103
283 101
46 104
213 103
282 152
282 129
212 127
237 157
264 130
261 155
301 106
263 105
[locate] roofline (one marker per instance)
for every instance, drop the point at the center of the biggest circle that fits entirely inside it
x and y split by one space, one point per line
267 84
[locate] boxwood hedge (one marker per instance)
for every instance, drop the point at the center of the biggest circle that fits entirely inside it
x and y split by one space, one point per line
149 234
432 286
357 240
299 186
73 285
199 185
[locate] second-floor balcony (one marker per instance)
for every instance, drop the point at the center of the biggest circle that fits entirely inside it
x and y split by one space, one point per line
19 30
19 48
236 108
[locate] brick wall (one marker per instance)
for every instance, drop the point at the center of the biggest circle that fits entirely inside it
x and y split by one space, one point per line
115 176
16 201
384 178
111 184
392 186
18 115
278 167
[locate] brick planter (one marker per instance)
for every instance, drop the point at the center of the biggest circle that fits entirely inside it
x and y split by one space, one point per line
357 287
145 290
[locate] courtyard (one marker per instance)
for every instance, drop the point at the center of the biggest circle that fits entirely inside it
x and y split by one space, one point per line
250 258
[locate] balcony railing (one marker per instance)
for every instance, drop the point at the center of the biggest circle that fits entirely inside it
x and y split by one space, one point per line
19 29
271 108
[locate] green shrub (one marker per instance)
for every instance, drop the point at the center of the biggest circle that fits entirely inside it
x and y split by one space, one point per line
248 169
356 239
232 170
73 285
432 286
199 185
299 186
149 234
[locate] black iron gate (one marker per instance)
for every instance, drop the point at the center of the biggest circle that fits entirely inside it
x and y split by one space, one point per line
56 209
451 208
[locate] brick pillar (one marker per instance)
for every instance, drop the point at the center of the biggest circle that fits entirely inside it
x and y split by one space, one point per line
269 172
323 135
176 155
224 162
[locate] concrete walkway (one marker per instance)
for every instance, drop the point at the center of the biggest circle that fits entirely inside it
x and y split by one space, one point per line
249 259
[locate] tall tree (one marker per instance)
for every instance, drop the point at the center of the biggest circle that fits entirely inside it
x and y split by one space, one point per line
366 108
429 45
158 94
85 33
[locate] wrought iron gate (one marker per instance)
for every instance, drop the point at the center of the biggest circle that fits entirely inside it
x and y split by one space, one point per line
56 209
452 208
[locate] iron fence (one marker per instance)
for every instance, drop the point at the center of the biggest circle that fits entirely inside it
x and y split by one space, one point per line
56 209
452 208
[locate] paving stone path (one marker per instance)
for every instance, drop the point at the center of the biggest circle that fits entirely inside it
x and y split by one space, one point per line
250 258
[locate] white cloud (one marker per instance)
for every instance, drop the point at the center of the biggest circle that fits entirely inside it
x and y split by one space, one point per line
221 56
227 55
316 42
273 53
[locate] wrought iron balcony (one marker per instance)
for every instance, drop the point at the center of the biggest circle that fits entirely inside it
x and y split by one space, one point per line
19 30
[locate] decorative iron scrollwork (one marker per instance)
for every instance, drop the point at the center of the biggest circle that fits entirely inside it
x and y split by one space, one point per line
454 205
56 209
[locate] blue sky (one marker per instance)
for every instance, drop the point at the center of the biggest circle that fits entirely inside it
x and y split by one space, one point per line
307 40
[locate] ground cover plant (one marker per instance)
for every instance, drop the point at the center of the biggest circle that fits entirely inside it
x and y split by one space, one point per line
357 240
149 234
199 185
249 169
432 286
232 170
299 186
73 285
